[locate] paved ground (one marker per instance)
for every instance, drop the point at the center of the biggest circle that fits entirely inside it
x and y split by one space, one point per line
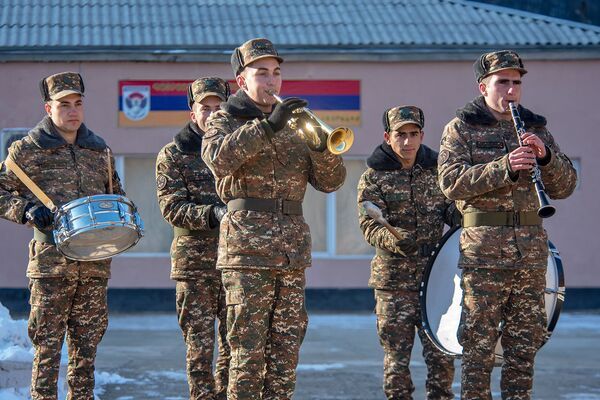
142 357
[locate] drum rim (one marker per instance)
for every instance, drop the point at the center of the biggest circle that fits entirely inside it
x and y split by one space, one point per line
560 293
423 292
105 196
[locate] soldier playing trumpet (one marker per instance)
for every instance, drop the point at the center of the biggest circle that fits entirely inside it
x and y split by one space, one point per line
262 168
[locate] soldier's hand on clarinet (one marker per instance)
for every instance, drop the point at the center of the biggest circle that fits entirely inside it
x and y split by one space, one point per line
535 143
283 112
522 158
40 216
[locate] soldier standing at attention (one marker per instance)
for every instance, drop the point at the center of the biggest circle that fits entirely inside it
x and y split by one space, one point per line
67 161
188 201
503 246
402 181
262 168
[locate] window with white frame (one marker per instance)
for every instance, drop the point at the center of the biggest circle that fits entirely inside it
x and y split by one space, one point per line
332 218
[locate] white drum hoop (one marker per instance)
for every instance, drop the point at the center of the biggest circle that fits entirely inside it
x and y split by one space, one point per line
443 331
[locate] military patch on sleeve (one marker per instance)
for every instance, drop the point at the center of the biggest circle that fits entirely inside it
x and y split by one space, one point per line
443 157
161 182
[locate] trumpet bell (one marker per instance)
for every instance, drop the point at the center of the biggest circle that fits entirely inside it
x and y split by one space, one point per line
340 140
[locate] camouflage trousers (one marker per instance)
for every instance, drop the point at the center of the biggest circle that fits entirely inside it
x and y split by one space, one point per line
266 323
398 317
78 308
514 298
199 303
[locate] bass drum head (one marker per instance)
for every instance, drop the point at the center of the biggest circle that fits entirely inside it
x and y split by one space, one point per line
441 295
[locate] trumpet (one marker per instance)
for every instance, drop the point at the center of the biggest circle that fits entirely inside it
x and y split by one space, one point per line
339 140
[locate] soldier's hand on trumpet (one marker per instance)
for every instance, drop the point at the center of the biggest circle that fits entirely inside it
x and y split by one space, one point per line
283 112
39 215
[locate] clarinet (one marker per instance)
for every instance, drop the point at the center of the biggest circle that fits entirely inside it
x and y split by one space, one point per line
546 209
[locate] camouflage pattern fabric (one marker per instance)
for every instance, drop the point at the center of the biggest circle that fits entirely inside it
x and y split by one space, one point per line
62 84
503 266
250 51
186 193
65 173
250 161
66 295
411 201
210 86
398 314
266 324
198 302
496 61
264 253
473 170
77 307
399 116
512 296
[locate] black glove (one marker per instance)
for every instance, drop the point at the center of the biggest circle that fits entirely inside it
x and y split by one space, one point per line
39 215
283 112
216 215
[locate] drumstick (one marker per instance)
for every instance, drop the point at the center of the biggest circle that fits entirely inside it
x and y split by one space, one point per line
375 212
110 184
31 185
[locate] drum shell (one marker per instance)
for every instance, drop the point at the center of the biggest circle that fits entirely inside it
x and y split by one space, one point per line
442 310
97 227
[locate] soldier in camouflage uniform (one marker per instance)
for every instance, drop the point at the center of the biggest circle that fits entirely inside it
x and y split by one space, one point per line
503 246
402 181
188 201
262 168
67 161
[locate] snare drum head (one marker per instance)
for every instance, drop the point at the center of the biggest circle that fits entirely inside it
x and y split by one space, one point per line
441 294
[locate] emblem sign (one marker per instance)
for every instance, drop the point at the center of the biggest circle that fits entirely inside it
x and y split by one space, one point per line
136 102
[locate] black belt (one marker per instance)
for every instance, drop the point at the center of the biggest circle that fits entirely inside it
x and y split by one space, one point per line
266 205
501 218
425 250
43 236
200 234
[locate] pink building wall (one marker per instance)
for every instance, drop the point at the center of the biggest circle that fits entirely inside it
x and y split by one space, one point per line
563 91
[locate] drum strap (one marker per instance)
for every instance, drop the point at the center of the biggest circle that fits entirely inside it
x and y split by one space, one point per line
267 205
200 234
42 236
501 218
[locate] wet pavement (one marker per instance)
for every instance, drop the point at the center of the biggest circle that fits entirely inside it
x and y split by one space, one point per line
143 357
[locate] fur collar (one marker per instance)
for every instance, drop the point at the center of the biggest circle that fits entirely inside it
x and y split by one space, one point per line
240 105
477 113
45 136
189 139
384 158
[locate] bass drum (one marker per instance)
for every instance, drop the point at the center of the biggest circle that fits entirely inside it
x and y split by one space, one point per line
441 295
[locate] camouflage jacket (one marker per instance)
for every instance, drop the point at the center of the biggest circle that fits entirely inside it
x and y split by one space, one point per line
411 201
64 172
249 160
186 193
473 170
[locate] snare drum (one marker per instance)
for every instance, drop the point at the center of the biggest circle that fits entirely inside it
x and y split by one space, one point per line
97 227
441 295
